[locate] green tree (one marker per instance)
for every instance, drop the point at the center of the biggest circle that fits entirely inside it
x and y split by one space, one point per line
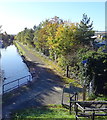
37 27
40 40
28 37
85 31
66 43
52 26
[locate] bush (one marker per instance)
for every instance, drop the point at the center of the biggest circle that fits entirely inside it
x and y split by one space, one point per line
93 68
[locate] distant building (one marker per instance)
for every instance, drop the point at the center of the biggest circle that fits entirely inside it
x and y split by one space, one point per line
100 39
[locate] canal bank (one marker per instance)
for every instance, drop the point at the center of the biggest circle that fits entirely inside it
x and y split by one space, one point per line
40 58
13 68
46 87
41 91
29 59
30 54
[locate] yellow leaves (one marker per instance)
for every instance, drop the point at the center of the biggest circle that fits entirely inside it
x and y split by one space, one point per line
59 31
50 38
59 37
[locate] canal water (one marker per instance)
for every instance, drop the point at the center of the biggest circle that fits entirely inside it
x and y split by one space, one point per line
12 66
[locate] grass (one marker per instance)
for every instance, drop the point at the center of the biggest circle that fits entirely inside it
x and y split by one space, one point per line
51 111
101 98
57 69
50 64
20 50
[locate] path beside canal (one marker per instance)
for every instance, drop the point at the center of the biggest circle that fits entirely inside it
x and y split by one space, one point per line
46 88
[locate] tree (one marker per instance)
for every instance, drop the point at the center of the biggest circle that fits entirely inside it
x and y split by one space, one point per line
66 43
85 31
37 27
40 40
28 37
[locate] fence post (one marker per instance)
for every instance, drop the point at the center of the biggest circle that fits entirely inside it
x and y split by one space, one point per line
76 96
70 106
29 77
84 92
18 82
67 71
62 95
3 90
93 114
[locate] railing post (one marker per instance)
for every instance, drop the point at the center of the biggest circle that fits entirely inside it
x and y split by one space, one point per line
70 105
3 90
18 82
29 77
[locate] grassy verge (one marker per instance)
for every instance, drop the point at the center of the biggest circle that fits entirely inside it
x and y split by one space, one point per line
20 50
49 64
54 66
51 111
55 112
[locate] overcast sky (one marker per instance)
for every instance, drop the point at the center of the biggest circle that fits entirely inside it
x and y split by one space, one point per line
15 15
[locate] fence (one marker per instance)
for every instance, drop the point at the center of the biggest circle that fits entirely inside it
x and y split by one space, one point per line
15 83
88 109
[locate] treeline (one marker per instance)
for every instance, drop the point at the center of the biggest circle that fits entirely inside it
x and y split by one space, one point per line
68 44
57 38
6 38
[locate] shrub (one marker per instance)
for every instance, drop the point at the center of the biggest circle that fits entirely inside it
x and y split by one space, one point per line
93 68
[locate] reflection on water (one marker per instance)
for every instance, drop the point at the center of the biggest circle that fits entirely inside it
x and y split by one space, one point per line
12 64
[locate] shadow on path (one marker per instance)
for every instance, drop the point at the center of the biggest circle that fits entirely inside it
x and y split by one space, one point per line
45 88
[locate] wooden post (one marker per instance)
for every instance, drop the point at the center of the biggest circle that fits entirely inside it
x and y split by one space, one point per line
67 71
93 114
62 95
84 92
70 106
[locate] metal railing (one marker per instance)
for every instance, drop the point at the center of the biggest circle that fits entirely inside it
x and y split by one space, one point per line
18 84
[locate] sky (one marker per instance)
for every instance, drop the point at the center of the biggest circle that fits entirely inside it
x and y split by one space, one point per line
15 15
106 16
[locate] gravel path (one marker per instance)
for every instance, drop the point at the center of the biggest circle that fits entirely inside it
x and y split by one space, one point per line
46 88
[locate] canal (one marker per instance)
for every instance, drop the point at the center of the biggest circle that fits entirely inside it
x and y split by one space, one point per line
12 67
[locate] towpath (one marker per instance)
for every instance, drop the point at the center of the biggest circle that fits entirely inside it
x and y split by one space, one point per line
46 88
